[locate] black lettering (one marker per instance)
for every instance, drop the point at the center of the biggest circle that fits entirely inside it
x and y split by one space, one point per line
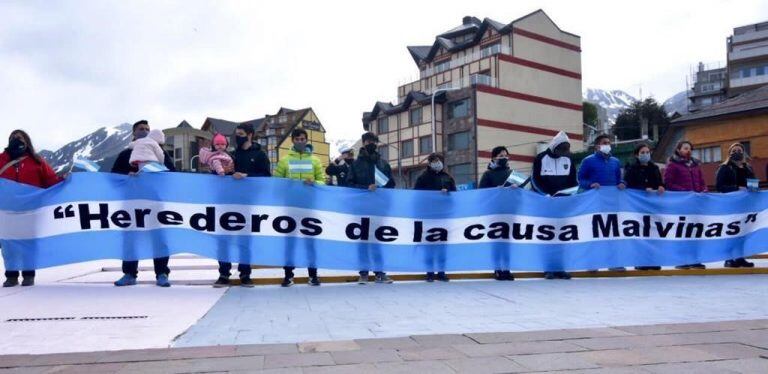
664 229
418 227
386 234
569 233
546 232
714 230
698 227
733 228
121 219
86 217
256 222
290 226
232 221
437 234
311 226
141 214
498 230
468 232
204 222
168 217
631 228
517 235
751 218
601 228
359 231
680 226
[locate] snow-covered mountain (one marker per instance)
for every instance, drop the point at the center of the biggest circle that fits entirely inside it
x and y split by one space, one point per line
677 103
101 146
612 101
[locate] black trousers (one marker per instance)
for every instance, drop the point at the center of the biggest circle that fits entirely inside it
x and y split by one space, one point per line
289 271
15 273
161 267
243 269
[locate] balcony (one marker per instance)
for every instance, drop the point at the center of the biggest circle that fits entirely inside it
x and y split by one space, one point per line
748 53
749 81
475 79
749 36
485 52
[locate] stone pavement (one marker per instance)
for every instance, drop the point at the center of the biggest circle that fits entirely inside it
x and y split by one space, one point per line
714 347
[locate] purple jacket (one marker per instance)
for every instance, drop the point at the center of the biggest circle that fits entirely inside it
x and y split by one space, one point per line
684 175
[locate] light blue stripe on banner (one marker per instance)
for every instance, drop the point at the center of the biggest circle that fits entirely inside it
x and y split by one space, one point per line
86 165
154 167
381 178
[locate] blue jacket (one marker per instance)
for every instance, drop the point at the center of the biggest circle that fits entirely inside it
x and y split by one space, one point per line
596 168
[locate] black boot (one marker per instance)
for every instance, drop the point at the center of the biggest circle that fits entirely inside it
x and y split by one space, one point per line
28 281
11 282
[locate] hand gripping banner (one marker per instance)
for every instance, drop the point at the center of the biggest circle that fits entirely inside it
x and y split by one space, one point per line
271 221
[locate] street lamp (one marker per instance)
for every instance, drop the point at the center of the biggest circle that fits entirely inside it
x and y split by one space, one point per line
434 131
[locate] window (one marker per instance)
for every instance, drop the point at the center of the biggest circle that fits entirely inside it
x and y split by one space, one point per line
462 173
747 148
382 125
760 70
745 73
490 50
448 84
178 153
270 132
406 149
708 154
458 141
482 79
415 116
273 154
384 152
425 145
458 109
443 66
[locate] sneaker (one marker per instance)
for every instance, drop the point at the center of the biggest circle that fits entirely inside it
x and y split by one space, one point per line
383 278
287 282
744 263
362 279
28 281
11 282
221 282
246 282
162 281
563 275
442 277
698 266
619 268
126 280
314 281
430 277
732 264
549 275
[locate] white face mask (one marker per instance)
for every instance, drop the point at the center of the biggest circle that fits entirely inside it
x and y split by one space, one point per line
436 166
605 148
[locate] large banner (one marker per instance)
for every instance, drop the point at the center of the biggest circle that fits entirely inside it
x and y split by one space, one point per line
271 221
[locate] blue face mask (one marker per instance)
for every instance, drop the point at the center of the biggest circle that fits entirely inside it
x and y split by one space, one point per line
139 134
644 158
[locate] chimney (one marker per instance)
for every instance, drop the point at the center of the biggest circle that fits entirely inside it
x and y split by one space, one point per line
467 20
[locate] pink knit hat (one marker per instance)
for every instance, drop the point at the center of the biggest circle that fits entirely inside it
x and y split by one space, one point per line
219 139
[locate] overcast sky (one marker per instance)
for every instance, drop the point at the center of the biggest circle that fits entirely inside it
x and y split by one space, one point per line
70 67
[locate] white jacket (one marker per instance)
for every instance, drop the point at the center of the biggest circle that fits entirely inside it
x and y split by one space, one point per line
148 149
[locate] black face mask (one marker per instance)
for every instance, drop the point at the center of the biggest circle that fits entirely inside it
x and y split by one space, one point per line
371 148
240 140
501 162
737 156
16 148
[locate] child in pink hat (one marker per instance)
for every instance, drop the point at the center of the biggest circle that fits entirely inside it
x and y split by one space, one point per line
217 157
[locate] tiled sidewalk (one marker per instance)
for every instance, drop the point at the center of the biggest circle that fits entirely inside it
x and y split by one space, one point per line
715 347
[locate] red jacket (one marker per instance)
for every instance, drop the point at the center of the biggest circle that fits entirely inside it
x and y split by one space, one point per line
29 171
684 175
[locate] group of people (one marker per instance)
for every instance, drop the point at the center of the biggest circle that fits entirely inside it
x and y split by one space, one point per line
554 174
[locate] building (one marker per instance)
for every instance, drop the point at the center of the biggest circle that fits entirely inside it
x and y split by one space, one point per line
514 84
183 144
747 58
746 68
273 132
712 130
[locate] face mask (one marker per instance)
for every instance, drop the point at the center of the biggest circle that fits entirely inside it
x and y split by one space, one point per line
16 148
241 140
605 149
436 166
737 156
501 162
299 147
139 134
371 148
644 157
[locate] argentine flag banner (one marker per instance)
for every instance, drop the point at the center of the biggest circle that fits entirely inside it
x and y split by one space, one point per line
86 165
380 178
277 222
153 167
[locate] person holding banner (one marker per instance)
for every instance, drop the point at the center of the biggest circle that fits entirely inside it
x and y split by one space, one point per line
683 173
555 175
496 176
300 164
123 165
435 178
601 169
732 175
370 172
642 174
19 162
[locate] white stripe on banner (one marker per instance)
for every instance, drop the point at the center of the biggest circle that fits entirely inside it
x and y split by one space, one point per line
300 166
381 178
86 165
154 167
540 230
